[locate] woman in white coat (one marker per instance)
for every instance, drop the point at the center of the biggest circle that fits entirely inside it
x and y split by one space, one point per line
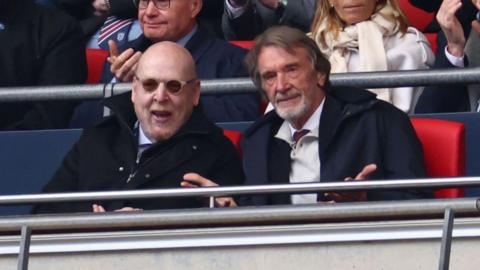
371 35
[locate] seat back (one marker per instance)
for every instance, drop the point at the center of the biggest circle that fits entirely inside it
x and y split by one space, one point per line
29 159
246 44
95 60
443 145
235 137
417 17
420 19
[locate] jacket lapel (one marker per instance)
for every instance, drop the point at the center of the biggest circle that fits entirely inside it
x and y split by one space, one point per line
199 43
329 121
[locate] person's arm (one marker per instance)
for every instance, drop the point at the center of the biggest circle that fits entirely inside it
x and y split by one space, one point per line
411 51
447 97
62 61
261 14
332 197
451 27
239 21
402 154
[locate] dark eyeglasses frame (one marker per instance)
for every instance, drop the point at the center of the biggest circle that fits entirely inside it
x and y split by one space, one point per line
155 3
170 88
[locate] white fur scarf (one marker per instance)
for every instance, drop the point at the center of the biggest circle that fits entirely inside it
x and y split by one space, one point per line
368 37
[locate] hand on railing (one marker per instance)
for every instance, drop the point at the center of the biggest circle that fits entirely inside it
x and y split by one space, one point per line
352 196
122 65
192 180
96 208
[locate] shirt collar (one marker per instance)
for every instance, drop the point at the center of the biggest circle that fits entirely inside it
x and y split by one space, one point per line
142 138
183 41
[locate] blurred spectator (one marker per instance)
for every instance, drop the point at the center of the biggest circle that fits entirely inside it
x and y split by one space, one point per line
245 19
165 20
92 13
149 144
447 97
40 46
371 36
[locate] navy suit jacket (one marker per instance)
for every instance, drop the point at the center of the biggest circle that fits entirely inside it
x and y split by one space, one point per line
214 59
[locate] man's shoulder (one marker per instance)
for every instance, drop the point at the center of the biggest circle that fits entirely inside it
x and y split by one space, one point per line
269 121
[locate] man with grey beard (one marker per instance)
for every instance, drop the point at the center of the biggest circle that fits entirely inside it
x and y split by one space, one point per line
318 133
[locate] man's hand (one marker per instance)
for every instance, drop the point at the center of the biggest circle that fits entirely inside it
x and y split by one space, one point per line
96 208
122 65
476 23
451 26
352 196
100 6
191 180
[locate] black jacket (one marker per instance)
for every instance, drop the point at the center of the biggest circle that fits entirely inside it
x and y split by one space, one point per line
39 46
105 157
355 130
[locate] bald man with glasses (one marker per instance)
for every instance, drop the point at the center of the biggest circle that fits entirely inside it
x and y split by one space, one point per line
176 21
156 137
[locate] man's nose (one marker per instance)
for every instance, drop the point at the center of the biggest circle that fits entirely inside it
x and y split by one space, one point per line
151 8
282 83
160 93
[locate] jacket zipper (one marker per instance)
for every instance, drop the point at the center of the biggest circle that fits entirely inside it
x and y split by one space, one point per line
135 168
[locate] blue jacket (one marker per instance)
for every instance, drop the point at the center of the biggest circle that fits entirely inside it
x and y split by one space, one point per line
355 130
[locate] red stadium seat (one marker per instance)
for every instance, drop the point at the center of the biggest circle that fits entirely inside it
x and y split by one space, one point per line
235 137
246 44
418 18
95 61
443 149
432 39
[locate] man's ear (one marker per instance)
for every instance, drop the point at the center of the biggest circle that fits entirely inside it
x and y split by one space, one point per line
134 87
196 93
195 7
321 77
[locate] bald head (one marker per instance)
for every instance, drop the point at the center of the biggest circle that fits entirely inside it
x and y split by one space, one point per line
169 56
165 90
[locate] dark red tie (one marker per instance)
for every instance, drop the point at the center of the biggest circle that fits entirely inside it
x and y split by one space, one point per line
299 134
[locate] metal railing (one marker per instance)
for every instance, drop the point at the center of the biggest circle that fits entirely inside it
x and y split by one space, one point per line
246 215
241 190
245 85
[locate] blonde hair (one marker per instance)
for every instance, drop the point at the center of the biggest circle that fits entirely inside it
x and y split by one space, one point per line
335 24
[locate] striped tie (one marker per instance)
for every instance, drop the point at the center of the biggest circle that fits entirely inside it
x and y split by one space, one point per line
116 29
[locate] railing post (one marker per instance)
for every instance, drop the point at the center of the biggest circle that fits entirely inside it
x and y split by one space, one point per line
211 202
24 248
446 239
